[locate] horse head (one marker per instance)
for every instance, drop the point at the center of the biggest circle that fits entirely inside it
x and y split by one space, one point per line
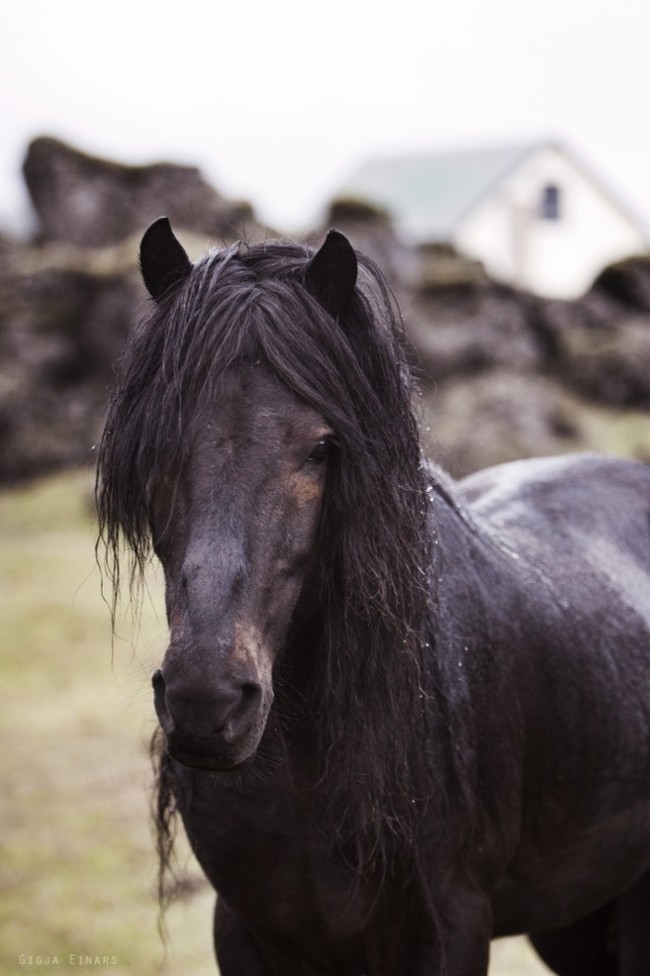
235 528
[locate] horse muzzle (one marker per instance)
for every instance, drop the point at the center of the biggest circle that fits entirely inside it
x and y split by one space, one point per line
216 729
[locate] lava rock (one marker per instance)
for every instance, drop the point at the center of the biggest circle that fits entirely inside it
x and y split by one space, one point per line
95 202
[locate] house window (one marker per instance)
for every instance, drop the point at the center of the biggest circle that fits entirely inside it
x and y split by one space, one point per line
549 202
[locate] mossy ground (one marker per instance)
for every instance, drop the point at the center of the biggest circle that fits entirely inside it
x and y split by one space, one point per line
77 866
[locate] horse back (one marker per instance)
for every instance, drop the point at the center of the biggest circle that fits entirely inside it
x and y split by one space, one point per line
586 500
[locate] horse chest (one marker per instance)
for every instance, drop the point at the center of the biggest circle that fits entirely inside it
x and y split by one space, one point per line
276 873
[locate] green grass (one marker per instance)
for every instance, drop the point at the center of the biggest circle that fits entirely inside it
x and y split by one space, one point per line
77 868
77 863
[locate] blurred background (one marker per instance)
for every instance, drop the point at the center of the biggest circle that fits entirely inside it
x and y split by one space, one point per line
492 157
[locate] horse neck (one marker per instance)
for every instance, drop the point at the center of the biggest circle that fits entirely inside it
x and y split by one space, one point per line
459 552
465 563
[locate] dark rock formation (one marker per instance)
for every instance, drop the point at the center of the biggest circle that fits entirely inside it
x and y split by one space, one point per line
68 300
600 344
93 202
514 375
371 231
505 374
470 327
627 283
472 422
61 330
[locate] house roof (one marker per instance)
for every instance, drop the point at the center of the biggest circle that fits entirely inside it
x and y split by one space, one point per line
428 194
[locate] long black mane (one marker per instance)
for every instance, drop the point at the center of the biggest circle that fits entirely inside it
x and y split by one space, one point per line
376 693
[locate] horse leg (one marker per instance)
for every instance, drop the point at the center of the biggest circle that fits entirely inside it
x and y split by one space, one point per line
583 948
464 930
633 930
237 953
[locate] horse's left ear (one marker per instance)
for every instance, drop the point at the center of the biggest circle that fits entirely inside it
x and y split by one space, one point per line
163 261
332 273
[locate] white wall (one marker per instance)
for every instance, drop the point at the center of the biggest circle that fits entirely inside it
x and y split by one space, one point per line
557 258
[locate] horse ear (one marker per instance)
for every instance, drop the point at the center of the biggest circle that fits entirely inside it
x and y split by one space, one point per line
163 261
332 273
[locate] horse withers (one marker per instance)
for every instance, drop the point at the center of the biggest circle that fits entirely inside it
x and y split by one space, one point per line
401 715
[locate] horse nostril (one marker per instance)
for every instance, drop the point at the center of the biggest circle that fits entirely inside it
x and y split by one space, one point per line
251 693
160 704
249 702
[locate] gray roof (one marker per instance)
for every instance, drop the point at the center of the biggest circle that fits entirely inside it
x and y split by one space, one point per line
428 194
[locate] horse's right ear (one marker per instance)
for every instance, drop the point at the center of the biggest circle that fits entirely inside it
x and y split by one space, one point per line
163 261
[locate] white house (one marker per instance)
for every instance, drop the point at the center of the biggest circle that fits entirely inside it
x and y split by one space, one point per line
534 215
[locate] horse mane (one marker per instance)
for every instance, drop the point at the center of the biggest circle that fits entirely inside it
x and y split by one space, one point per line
378 691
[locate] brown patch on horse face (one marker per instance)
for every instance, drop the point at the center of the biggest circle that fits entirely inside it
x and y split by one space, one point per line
248 652
304 490
175 622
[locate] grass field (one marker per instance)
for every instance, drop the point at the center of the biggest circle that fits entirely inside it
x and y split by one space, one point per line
77 869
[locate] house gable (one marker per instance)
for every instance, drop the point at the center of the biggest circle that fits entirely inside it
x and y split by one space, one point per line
426 195
533 214
548 226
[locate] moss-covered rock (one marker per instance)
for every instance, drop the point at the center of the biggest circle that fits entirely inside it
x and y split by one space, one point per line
95 202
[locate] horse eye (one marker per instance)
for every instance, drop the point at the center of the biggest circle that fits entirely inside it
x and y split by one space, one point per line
321 450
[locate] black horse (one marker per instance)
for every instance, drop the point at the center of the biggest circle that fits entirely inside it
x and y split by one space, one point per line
401 716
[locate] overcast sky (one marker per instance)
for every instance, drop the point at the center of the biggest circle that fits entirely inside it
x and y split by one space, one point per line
280 101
